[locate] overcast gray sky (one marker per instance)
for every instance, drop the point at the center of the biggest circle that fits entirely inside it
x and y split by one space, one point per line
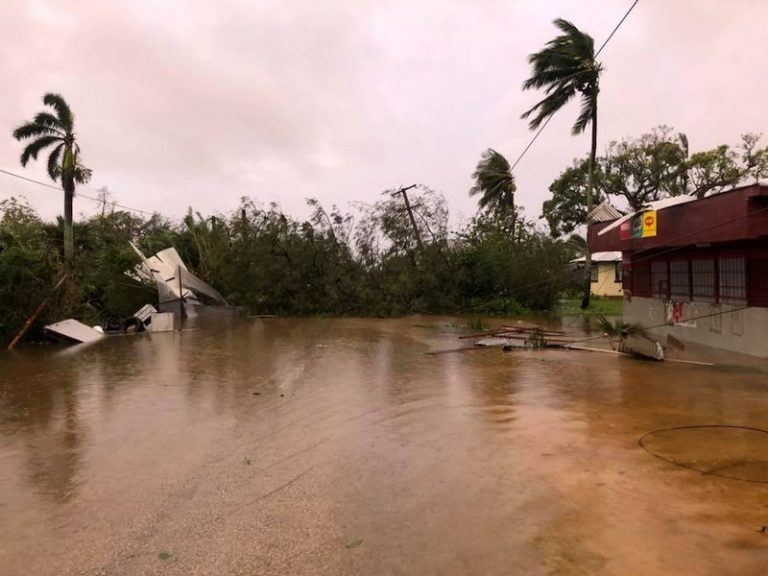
200 102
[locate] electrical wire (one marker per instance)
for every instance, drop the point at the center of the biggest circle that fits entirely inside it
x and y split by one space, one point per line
713 471
86 196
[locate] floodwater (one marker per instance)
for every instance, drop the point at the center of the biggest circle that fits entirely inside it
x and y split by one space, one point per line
327 447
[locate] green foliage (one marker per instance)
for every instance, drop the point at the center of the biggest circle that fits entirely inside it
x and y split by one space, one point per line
619 329
656 165
494 271
363 263
565 68
495 184
566 210
97 286
644 169
55 130
28 264
599 306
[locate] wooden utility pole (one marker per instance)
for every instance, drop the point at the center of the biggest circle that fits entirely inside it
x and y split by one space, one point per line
36 313
404 192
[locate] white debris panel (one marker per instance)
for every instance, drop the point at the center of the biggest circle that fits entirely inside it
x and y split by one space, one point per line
74 330
173 279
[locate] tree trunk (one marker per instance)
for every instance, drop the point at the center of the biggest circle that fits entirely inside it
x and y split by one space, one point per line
590 183
69 242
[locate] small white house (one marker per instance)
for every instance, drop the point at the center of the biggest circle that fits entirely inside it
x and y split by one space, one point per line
606 273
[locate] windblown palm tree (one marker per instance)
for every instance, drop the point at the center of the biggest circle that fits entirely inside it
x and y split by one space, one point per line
566 68
496 184
56 130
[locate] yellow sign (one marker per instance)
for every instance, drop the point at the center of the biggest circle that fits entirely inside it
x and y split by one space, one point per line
649 223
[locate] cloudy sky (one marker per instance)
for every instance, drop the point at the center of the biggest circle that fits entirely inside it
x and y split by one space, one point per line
201 102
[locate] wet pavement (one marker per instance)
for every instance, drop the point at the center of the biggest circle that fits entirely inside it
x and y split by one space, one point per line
325 447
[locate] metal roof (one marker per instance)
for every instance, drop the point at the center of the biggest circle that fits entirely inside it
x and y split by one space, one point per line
601 257
604 212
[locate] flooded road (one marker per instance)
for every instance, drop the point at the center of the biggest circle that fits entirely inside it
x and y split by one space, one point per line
326 447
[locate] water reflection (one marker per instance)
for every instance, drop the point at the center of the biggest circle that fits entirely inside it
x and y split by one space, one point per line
273 443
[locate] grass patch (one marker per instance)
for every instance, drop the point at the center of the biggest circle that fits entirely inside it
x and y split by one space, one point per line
597 307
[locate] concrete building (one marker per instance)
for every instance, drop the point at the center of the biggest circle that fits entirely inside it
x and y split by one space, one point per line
696 270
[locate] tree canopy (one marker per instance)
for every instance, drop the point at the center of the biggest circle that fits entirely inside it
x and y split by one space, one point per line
656 165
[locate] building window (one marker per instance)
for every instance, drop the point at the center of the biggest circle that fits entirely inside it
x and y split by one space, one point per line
618 275
659 279
679 280
593 273
733 279
703 272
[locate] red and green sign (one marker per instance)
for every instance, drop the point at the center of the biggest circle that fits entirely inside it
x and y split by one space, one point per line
642 225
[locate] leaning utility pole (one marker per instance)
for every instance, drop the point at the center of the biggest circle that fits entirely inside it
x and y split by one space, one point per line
404 192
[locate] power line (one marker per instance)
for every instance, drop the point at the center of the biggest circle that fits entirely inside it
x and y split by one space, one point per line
81 195
616 28
540 130
20 177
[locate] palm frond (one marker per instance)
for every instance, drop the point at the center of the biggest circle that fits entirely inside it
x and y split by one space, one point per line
585 115
82 174
63 112
33 148
548 106
49 121
30 130
619 329
494 180
54 168
566 65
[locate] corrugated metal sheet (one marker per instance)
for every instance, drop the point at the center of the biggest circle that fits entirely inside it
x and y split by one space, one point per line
604 212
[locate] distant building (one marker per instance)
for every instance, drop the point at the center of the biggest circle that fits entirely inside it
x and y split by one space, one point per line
696 270
605 275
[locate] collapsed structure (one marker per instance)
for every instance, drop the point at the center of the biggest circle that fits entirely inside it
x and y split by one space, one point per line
180 293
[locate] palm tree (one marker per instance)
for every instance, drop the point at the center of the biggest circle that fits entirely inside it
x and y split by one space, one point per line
56 130
496 184
566 68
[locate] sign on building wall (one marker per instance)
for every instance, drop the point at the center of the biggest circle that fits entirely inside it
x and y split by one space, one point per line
642 225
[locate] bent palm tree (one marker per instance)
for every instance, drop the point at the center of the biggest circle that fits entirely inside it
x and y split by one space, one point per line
566 68
57 130
496 184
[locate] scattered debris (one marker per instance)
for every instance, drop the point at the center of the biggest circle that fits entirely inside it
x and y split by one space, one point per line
161 322
74 331
180 292
642 346
175 283
632 339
